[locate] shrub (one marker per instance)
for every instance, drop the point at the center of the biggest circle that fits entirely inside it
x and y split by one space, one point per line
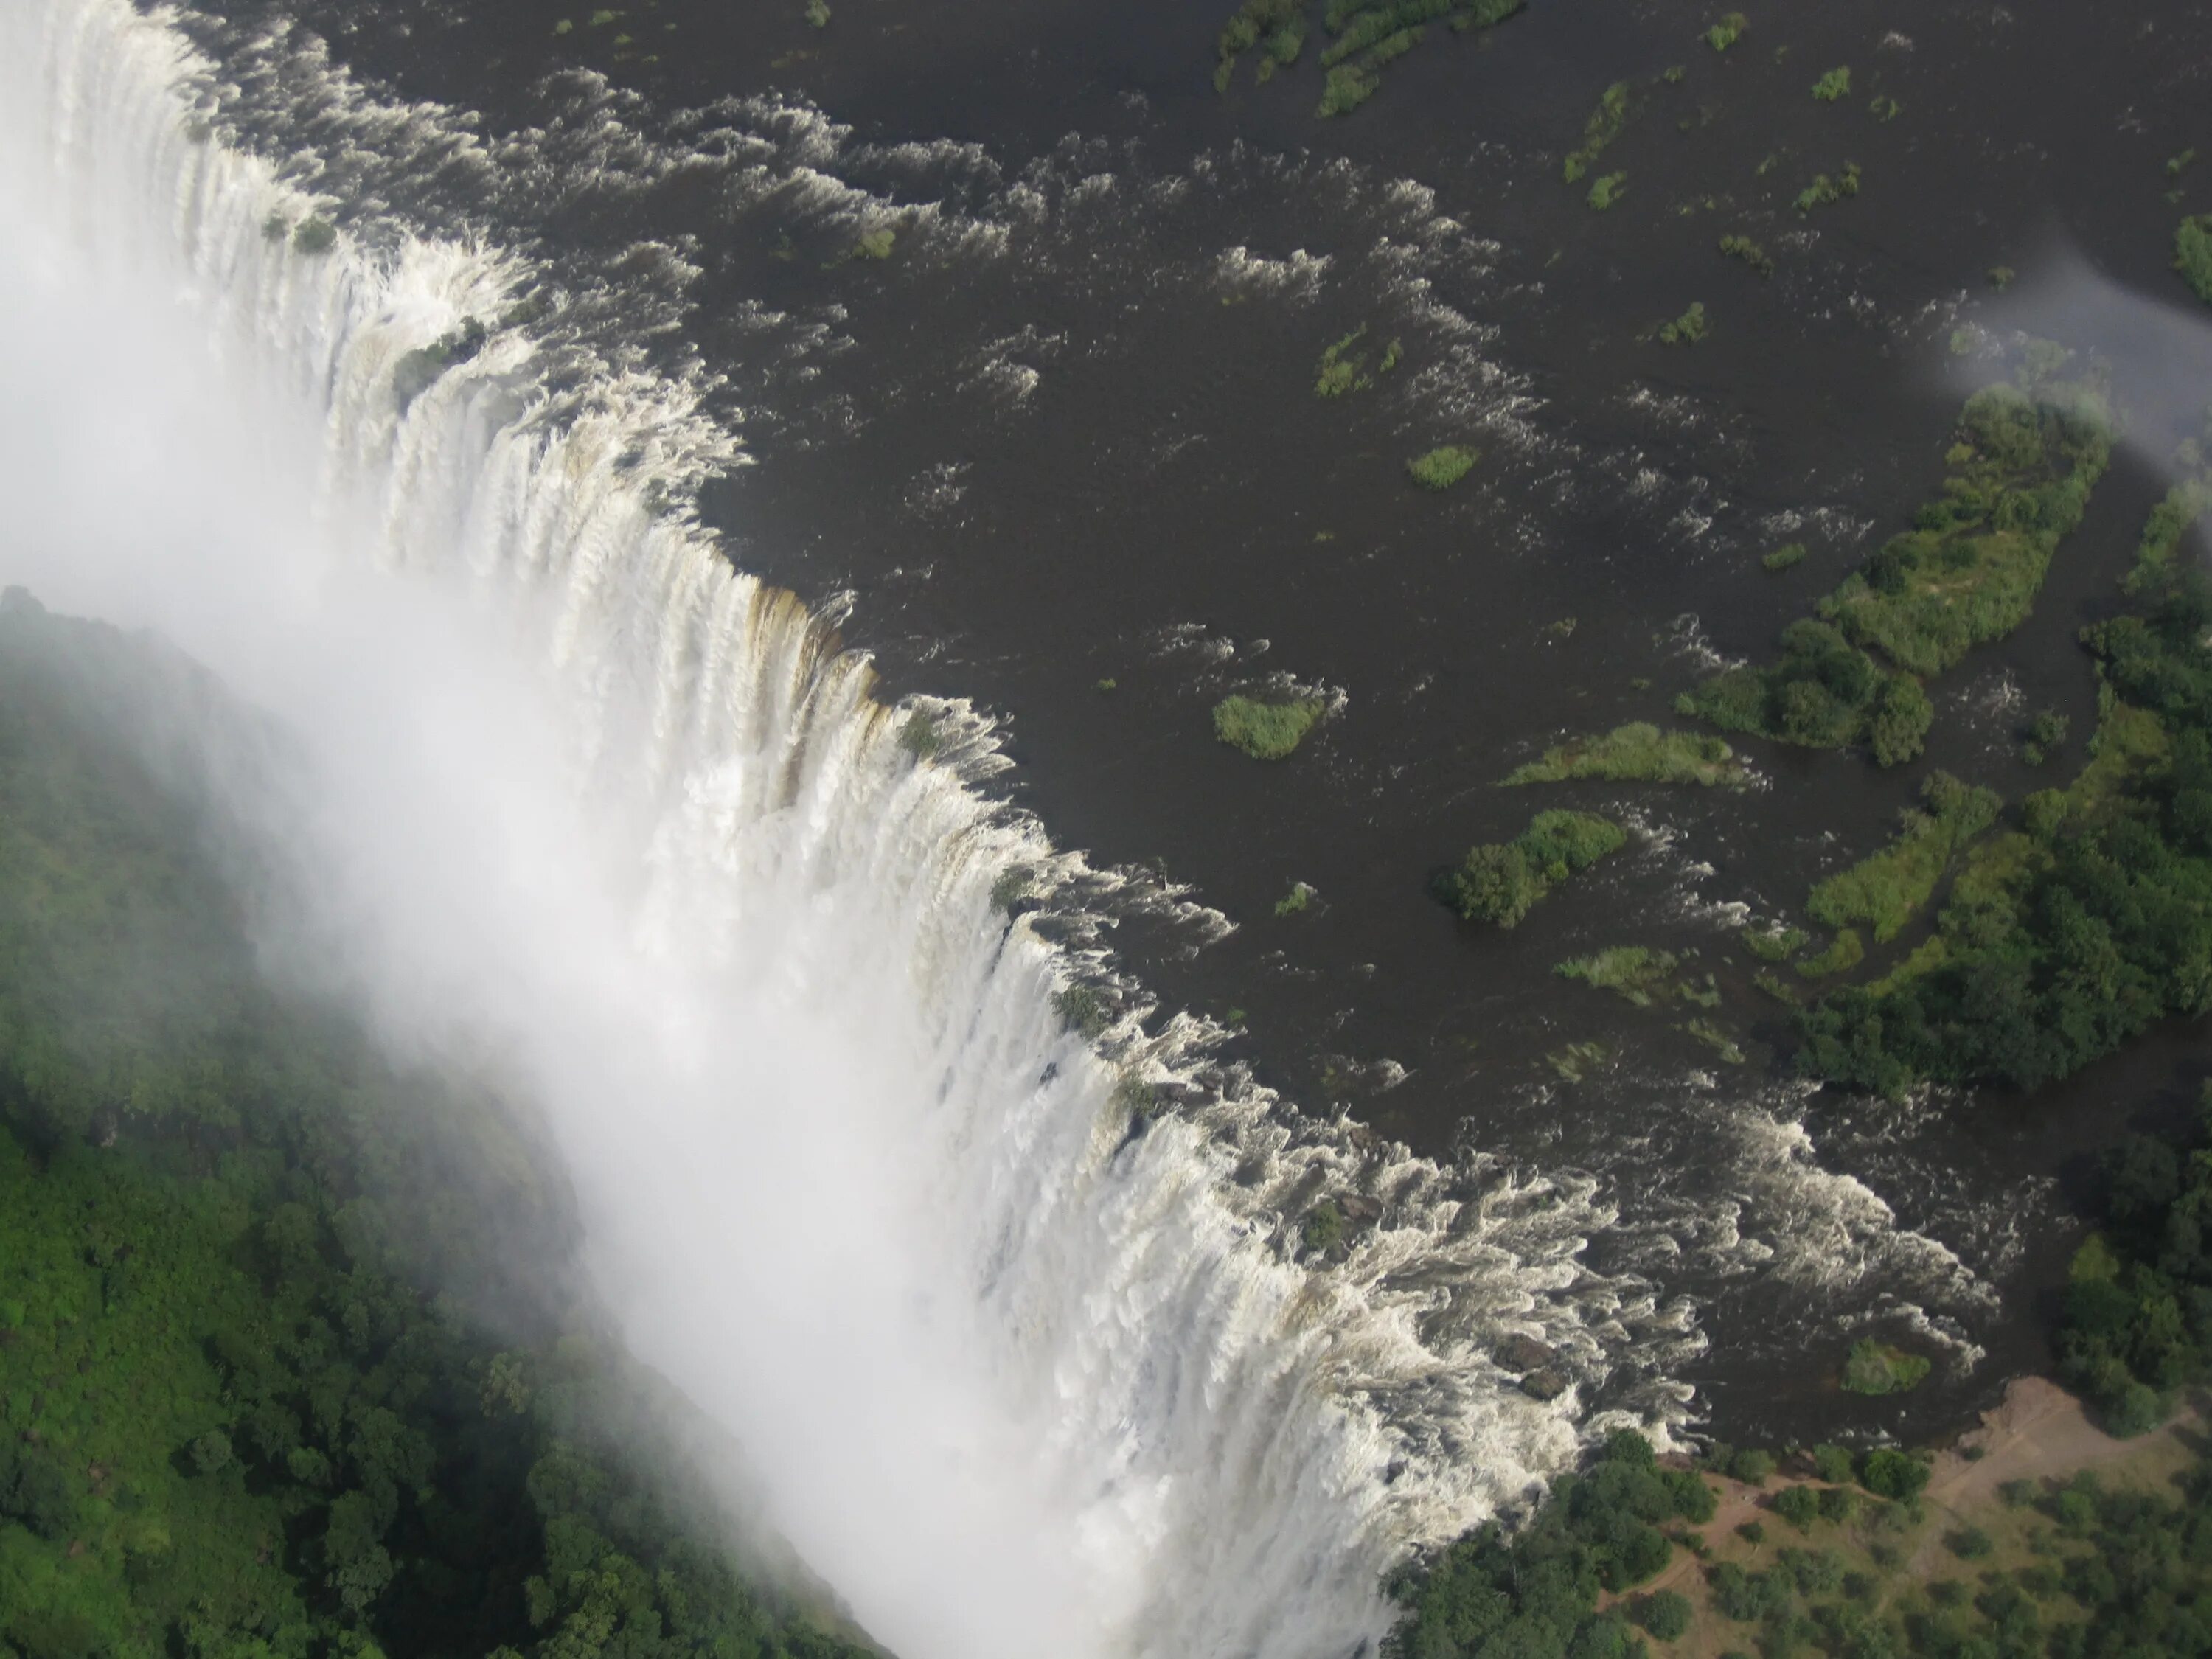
1440 469
1752 1532
1083 1009
1877 1367
1295 900
1968 1543
1832 1463
1786 557
1893 1474
1501 883
1798 1506
1665 1614
1265 731
1726 32
1835 84
1887 888
1752 1468
1838 1504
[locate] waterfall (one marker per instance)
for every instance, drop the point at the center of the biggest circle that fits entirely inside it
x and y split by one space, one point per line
1015 1321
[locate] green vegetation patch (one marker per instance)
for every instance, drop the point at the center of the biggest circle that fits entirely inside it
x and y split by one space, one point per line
1502 882
1370 34
1687 329
1343 371
1749 253
1726 32
1844 952
1606 190
1603 126
1534 1590
1886 890
1265 731
1442 468
2192 254
1639 752
2060 945
2170 521
1825 191
1637 972
1787 556
1823 692
314 237
2021 471
1299 898
1835 84
1775 942
1878 1368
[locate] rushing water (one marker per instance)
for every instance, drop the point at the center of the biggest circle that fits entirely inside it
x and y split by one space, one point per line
1016 1325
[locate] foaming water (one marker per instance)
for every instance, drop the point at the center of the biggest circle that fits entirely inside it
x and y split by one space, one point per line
1016 1325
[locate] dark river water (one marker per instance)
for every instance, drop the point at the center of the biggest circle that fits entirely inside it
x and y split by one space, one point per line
1065 433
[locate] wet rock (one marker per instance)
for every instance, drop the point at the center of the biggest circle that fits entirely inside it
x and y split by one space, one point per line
1543 1385
1526 1353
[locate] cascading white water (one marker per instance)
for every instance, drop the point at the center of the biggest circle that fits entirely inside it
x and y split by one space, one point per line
1019 1366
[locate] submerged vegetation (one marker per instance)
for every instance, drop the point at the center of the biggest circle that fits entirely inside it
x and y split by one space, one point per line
1749 253
1370 34
1265 731
1640 752
1687 329
1502 882
1637 972
1603 126
283 1367
1825 191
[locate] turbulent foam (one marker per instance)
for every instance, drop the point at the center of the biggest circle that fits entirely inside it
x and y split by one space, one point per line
1248 1438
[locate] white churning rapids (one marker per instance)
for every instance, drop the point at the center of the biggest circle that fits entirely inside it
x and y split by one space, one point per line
1061 1378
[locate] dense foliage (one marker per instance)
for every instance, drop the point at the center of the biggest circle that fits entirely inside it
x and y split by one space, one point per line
1533 1595
1823 692
2138 1320
282 1372
2021 468
1502 882
2066 940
